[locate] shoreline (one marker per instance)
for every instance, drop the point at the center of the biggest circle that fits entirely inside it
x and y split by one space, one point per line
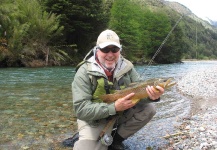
199 130
188 60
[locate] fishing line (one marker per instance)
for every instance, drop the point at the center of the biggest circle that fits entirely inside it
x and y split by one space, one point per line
162 44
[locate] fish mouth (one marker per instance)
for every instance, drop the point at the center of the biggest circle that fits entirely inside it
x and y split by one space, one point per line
170 82
167 82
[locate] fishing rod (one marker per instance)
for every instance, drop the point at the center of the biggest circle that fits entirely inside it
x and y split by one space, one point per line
162 44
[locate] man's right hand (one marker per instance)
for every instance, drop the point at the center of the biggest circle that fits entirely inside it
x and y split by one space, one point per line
124 103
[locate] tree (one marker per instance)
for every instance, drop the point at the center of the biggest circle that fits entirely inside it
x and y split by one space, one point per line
126 21
142 31
173 49
5 24
31 32
83 20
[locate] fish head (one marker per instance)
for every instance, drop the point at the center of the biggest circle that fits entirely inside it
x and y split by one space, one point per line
165 82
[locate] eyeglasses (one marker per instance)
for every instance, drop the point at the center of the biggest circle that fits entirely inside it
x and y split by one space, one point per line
112 49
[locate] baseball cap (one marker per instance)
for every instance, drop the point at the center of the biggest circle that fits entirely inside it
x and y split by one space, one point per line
108 37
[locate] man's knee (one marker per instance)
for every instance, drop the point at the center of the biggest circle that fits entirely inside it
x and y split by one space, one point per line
89 145
151 109
148 111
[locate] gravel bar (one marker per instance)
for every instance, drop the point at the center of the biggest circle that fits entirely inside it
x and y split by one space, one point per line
199 130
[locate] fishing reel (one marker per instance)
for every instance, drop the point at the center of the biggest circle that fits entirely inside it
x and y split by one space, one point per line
107 139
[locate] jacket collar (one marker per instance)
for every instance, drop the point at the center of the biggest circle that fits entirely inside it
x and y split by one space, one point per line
122 67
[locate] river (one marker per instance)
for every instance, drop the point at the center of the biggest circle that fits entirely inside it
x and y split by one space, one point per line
36 106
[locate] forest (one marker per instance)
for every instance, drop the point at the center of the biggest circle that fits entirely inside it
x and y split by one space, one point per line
35 33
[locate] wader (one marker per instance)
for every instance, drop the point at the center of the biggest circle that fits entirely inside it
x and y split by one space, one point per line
127 124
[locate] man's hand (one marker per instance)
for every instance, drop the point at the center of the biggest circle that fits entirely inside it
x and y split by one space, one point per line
153 93
124 103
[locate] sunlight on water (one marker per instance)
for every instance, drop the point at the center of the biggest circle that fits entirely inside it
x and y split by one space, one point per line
36 103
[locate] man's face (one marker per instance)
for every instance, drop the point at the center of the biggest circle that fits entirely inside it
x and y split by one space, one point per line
109 56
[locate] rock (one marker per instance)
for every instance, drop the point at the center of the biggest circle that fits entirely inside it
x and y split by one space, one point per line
202 145
187 127
202 129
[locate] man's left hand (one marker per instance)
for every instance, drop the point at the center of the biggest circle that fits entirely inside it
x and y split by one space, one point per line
153 93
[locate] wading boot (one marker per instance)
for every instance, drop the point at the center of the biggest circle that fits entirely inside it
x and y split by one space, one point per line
117 143
71 141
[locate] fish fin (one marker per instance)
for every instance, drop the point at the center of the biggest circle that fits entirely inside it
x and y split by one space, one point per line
135 101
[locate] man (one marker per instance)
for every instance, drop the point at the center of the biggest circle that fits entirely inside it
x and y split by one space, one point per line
103 73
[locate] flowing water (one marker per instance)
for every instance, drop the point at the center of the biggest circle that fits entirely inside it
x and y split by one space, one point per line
36 106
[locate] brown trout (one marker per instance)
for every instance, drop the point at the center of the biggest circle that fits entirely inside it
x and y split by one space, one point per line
139 89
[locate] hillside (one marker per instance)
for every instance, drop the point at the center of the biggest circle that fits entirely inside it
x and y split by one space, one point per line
199 36
187 12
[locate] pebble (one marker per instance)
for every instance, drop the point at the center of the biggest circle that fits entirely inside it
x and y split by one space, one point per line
201 87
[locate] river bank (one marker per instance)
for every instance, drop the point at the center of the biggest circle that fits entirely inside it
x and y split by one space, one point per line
198 131
194 129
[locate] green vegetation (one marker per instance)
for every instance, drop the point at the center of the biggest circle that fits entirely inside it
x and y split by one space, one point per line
29 34
83 20
56 32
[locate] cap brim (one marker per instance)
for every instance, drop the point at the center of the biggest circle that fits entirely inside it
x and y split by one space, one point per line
103 45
